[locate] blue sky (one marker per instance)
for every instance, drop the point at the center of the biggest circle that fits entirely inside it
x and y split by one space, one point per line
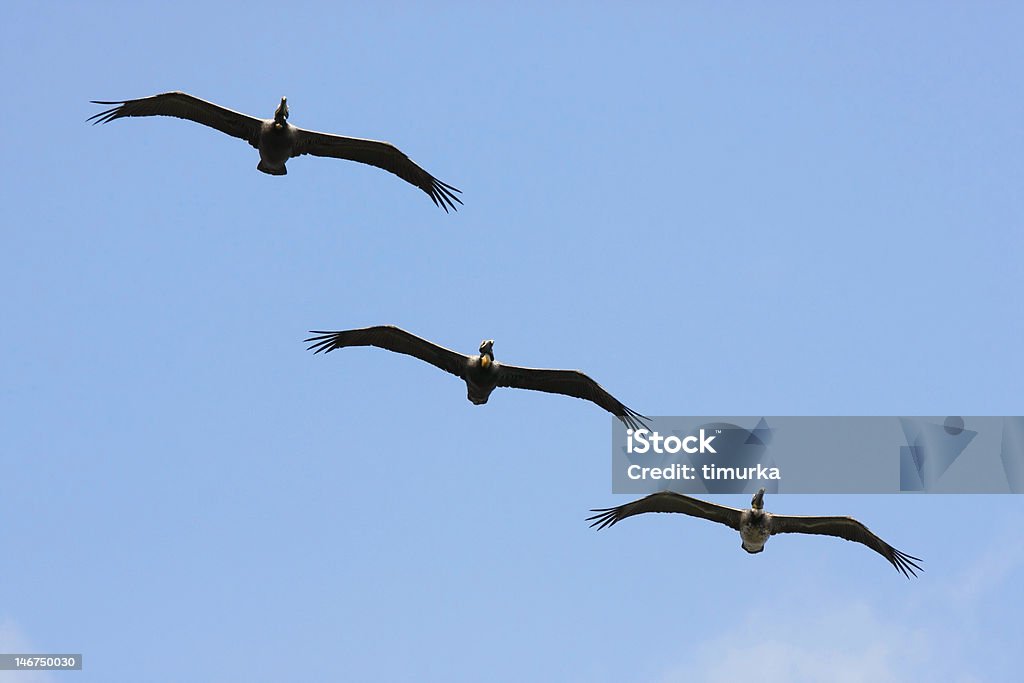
750 208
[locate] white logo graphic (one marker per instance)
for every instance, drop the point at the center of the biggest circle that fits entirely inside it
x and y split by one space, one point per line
653 442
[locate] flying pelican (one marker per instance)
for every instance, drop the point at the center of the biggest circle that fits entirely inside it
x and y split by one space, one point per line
278 141
755 525
481 372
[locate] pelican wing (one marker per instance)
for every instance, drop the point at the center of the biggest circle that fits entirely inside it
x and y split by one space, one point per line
375 153
184 106
393 339
851 530
569 383
667 501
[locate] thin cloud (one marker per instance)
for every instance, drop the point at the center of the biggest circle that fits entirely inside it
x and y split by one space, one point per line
843 643
13 641
990 570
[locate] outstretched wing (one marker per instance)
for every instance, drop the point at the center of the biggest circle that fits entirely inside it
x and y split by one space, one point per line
667 501
570 383
184 106
375 153
393 339
851 530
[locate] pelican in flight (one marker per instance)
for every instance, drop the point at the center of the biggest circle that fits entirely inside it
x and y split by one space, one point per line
481 372
755 525
278 141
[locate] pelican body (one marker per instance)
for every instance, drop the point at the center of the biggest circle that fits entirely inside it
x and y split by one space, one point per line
755 525
481 374
276 142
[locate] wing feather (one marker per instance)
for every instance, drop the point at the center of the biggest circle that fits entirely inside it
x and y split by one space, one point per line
394 339
376 153
184 106
667 501
849 529
569 383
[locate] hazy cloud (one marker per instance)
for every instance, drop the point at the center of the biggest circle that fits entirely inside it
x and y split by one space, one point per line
842 643
13 641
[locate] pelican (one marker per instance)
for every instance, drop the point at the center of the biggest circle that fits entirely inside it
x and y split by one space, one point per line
755 525
481 372
278 141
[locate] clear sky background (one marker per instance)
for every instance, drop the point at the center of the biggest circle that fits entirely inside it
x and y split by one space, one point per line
713 209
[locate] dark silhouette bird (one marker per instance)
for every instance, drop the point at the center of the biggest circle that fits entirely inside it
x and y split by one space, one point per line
755 525
481 372
278 141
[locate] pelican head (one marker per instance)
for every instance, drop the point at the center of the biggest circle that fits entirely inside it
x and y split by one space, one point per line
757 502
486 352
281 113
